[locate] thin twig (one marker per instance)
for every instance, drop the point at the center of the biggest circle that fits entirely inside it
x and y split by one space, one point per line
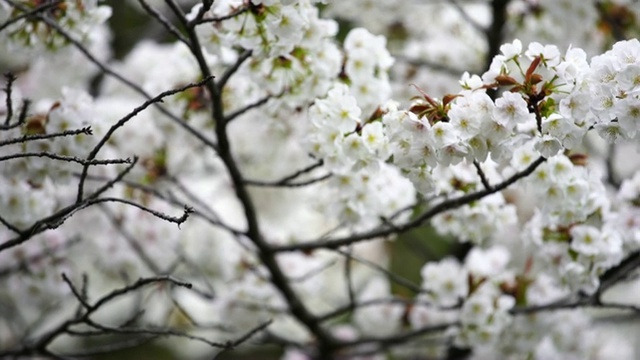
193 197
367 303
613 275
77 294
249 334
429 64
467 18
392 276
288 184
142 282
26 14
112 347
8 90
31 137
494 34
206 6
117 179
38 257
287 179
131 241
482 175
9 225
206 214
347 275
164 21
172 219
222 81
611 178
22 117
399 338
248 107
231 15
85 162
313 272
103 329
177 10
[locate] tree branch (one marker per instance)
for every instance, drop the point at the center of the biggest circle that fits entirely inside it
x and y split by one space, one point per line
420 220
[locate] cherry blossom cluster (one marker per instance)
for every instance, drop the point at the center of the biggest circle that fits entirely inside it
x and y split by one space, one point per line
489 289
266 27
612 87
435 142
349 138
78 17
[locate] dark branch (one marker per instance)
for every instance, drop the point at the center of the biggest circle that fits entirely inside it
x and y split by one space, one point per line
164 21
399 338
22 117
429 64
246 108
482 175
85 162
232 70
206 6
8 90
77 294
131 241
231 15
612 177
420 220
84 131
172 219
286 181
9 225
30 13
465 15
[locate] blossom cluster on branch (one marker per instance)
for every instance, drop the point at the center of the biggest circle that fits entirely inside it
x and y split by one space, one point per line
245 182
